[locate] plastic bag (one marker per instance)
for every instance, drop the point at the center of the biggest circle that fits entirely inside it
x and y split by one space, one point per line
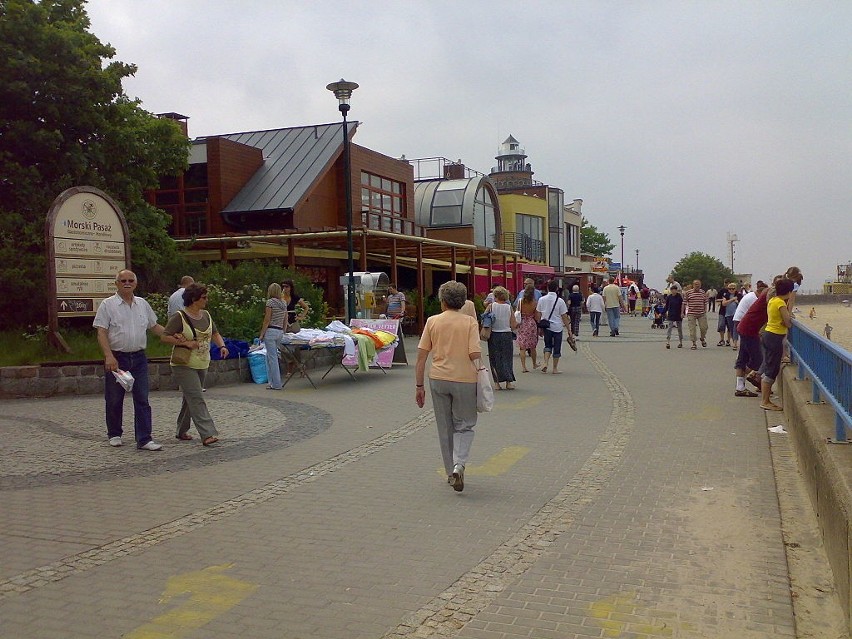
125 379
484 391
257 366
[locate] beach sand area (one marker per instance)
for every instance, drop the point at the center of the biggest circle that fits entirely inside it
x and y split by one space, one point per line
837 315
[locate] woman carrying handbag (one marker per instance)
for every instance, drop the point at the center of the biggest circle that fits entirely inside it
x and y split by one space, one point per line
500 348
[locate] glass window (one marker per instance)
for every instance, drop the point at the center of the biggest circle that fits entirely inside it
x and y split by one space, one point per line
365 178
446 215
375 181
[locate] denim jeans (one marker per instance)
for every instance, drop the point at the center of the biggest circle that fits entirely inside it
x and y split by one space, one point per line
272 340
595 319
553 343
137 365
613 318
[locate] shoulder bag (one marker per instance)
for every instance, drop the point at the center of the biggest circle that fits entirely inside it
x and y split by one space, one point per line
180 353
544 324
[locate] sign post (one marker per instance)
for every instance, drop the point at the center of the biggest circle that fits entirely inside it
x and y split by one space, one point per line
86 240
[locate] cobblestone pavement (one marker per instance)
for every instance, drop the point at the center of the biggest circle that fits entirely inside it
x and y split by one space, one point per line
632 496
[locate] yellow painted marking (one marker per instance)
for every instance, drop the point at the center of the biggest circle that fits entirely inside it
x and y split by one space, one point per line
529 402
211 594
620 614
711 413
498 464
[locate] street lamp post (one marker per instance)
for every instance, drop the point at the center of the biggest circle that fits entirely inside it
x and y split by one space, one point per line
621 273
637 260
343 91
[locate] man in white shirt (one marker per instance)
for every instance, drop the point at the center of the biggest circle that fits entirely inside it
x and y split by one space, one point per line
122 322
596 308
553 309
536 293
176 299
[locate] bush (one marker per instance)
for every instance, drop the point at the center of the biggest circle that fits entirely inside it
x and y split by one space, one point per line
237 296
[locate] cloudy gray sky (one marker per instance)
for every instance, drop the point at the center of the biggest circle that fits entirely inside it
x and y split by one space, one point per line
681 120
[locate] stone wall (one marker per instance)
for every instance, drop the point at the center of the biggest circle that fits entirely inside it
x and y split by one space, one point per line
87 379
48 380
826 470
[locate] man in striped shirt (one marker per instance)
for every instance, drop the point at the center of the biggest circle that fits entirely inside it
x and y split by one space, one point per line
696 312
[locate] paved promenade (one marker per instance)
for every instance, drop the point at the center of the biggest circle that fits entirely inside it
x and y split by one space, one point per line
631 496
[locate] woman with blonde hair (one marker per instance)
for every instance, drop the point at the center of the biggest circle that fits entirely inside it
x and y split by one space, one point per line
272 332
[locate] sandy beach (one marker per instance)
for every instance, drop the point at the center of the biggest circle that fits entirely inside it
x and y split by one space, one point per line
838 316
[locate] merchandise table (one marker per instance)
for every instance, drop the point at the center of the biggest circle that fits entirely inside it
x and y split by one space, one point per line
300 355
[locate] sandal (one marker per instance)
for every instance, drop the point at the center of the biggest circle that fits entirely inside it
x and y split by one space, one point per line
693 348
544 369
703 343
184 437
210 441
721 342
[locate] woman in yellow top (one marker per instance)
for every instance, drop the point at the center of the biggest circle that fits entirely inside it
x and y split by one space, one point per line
778 322
452 338
192 329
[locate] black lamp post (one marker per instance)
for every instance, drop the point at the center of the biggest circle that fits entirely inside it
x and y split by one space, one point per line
621 274
343 91
637 260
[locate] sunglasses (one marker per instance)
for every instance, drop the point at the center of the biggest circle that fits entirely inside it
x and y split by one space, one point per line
127 281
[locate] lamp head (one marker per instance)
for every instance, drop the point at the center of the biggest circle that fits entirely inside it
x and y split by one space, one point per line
342 91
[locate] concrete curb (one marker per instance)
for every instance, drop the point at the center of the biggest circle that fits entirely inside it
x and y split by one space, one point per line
827 470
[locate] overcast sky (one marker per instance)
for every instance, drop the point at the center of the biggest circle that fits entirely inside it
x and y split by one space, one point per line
683 121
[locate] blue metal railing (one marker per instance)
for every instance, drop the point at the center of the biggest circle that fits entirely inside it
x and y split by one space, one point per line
829 367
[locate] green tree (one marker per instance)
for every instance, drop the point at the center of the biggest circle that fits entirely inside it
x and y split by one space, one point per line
594 242
711 271
65 121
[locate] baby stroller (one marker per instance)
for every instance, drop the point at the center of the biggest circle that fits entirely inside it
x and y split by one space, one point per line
659 316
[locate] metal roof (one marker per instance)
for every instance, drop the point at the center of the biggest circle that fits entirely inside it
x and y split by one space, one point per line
293 160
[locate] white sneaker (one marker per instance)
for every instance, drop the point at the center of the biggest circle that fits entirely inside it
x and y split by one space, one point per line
115 441
151 446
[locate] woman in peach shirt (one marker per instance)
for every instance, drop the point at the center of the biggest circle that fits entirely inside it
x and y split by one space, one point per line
452 338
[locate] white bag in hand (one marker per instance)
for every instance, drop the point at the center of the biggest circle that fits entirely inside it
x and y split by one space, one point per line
125 379
484 391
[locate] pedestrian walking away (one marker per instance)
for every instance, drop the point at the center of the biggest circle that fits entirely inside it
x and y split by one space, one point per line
122 322
614 306
575 309
500 355
452 339
553 309
527 329
596 308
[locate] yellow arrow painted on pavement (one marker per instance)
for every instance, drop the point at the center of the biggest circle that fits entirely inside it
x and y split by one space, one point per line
211 594
498 464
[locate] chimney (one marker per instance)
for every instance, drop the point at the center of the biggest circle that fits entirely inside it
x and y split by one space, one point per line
454 171
177 117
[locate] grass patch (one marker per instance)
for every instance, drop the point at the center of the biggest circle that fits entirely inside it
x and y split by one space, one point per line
32 348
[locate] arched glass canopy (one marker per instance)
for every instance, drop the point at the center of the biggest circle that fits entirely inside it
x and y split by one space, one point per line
467 202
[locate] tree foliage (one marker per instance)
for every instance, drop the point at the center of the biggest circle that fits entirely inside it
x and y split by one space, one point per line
594 242
65 121
711 271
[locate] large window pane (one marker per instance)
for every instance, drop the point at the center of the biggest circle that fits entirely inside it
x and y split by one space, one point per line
446 215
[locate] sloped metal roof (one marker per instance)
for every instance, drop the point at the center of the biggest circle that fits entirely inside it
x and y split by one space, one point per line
293 160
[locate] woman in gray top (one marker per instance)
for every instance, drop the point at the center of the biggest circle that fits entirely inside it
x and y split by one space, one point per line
272 331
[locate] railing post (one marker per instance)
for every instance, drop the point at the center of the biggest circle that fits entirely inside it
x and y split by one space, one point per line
839 429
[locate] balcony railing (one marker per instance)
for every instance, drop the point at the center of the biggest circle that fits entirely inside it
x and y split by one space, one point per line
529 248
